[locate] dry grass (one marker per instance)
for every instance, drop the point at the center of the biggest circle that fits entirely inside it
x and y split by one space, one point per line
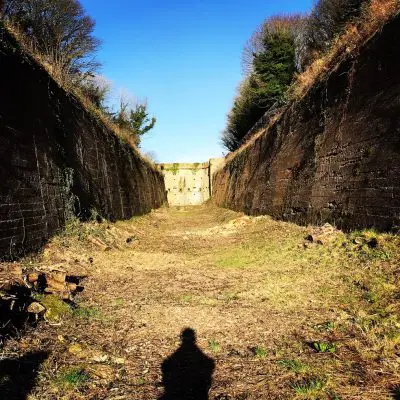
250 142
257 296
376 14
72 89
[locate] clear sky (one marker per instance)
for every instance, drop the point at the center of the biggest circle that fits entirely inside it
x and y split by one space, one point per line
185 58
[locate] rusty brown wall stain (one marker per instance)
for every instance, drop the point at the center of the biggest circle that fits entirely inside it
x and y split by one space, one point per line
57 160
332 156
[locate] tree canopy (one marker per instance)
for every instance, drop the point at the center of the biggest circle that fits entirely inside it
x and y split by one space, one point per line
269 63
279 49
134 120
60 31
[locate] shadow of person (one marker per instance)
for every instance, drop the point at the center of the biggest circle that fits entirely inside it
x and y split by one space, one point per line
187 374
18 376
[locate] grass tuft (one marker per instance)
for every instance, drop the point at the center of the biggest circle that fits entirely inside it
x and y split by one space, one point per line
214 346
309 389
73 377
293 365
260 352
87 313
324 347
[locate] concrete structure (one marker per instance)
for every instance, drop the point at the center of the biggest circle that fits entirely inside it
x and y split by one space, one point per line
189 184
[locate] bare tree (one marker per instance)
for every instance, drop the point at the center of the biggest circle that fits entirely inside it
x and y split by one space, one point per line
60 31
326 22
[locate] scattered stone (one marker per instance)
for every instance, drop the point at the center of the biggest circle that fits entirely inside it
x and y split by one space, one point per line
33 277
118 360
36 308
100 358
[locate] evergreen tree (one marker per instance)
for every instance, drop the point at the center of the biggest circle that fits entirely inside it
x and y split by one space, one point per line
269 60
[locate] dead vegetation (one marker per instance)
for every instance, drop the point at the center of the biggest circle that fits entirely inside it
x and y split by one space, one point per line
285 311
376 14
72 89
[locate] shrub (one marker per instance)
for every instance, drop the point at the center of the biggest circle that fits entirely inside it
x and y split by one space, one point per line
327 20
269 61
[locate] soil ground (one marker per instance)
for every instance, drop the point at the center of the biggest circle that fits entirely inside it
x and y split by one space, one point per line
281 316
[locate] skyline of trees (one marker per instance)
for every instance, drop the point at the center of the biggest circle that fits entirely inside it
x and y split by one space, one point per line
280 49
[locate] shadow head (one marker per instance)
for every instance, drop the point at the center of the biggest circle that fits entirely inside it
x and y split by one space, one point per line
188 335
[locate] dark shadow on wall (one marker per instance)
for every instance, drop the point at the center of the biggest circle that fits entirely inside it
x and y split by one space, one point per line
187 373
18 376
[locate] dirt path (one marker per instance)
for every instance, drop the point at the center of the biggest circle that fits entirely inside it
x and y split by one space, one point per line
257 295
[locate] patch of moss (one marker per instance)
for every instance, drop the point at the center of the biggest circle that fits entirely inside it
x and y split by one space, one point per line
87 312
56 308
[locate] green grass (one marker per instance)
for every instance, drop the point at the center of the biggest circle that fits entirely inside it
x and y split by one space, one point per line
87 313
325 326
214 346
260 352
293 365
309 389
140 381
324 347
73 377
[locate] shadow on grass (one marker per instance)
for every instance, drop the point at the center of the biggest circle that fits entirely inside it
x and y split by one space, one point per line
18 376
395 392
13 315
187 373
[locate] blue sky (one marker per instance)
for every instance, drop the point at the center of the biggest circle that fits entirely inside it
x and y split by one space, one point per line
185 58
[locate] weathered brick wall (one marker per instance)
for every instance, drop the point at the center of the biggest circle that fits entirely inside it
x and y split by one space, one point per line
57 160
334 155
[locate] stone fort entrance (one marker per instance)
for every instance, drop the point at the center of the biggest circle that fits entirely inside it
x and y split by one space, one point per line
189 183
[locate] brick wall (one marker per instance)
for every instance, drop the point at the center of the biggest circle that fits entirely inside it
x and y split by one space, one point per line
334 155
57 160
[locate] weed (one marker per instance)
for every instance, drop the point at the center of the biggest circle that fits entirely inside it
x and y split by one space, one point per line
309 388
140 381
186 298
324 347
87 313
260 352
293 365
74 227
214 346
73 377
325 326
